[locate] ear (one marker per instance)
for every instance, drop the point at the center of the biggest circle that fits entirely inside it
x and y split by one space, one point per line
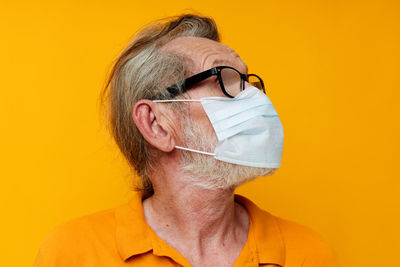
147 116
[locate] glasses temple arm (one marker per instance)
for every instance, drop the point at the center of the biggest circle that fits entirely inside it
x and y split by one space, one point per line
192 80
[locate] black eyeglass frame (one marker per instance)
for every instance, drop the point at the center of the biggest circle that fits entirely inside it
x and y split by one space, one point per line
175 89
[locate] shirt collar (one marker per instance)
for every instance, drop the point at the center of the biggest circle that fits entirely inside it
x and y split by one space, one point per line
268 238
134 236
132 232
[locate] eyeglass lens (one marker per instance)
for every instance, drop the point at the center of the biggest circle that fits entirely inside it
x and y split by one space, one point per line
232 81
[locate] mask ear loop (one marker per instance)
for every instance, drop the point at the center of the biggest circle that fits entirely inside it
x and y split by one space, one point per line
177 100
180 147
194 150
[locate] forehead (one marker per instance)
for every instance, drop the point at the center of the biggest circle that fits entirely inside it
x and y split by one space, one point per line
205 53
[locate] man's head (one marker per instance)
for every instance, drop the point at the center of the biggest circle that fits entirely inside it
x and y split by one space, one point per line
161 55
197 131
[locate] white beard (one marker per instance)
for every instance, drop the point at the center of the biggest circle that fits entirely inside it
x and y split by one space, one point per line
206 171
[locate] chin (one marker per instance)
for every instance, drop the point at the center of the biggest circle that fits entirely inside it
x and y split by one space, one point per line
212 174
252 174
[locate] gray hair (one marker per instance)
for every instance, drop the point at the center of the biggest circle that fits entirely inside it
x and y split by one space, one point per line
142 71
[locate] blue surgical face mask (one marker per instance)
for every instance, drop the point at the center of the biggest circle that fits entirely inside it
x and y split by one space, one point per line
248 129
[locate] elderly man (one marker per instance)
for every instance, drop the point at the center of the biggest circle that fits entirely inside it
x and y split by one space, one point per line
194 125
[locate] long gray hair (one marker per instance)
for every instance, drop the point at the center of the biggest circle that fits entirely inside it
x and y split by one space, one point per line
142 71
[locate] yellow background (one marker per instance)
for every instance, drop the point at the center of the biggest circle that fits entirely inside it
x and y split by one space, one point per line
332 72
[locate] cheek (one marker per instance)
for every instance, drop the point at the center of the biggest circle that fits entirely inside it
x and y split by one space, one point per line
209 131
199 117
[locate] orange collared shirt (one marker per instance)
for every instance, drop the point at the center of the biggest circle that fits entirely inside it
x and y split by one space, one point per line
121 237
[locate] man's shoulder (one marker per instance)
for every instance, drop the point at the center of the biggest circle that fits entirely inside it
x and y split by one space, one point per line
291 231
74 238
82 226
294 234
301 243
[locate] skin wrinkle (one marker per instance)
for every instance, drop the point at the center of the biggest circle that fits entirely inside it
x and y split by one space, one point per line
213 60
197 206
211 57
187 55
224 62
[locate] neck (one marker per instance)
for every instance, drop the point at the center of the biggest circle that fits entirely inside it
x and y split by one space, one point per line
198 217
195 213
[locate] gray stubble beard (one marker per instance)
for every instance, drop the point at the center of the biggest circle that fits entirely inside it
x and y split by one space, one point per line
207 172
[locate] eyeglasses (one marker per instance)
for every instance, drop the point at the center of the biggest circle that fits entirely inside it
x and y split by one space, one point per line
231 81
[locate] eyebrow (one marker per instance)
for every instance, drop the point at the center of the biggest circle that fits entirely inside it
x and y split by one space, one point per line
226 63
